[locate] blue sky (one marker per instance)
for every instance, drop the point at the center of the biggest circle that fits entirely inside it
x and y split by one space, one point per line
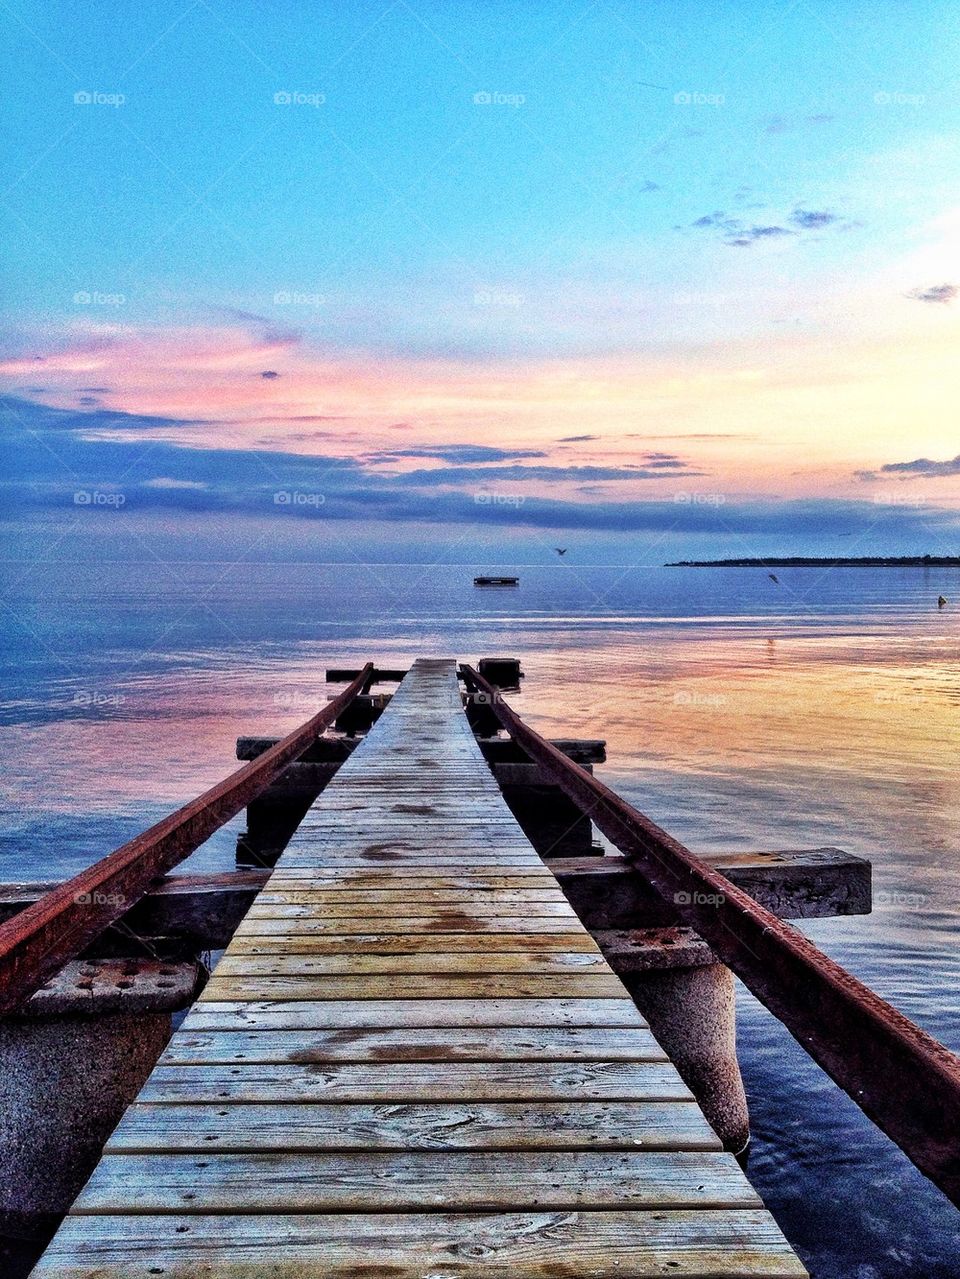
594 233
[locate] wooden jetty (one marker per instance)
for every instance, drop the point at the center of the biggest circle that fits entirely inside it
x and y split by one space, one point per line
432 1047
414 1060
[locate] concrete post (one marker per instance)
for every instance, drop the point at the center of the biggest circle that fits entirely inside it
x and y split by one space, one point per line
689 1001
70 1064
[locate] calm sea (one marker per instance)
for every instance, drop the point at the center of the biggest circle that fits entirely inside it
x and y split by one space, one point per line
739 713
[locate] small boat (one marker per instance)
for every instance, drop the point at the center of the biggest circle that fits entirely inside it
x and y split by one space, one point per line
496 581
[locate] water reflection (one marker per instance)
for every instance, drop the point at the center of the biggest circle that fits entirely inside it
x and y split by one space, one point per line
736 715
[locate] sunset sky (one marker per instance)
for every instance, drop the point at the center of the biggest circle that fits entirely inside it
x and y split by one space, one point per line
378 277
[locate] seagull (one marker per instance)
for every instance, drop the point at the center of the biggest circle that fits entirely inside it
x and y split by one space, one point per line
773 578
561 550
941 601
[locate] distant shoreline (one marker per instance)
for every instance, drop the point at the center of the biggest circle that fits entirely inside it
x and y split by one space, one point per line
814 561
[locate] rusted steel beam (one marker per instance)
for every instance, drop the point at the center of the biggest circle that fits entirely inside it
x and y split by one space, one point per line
45 936
902 1078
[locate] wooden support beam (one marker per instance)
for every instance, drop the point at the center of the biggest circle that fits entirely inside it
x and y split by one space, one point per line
305 780
495 750
193 913
803 883
379 675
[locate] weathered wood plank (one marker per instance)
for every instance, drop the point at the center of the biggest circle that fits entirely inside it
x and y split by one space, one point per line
492 1043
411 943
370 1014
540 1125
378 905
740 1244
411 1180
546 900
599 985
419 1081
452 921
427 962
412 879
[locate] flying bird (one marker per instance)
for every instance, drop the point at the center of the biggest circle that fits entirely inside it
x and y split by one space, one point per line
773 578
561 550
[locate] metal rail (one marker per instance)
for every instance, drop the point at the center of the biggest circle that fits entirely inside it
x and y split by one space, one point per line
39 940
903 1079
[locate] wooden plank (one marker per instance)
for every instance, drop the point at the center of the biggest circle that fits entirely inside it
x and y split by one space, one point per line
600 985
411 879
491 1043
410 943
546 900
346 1015
740 1244
289 925
418 1081
539 1125
387 905
534 912
426 962
381 1181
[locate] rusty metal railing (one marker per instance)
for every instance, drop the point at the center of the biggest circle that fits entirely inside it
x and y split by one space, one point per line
903 1079
39 940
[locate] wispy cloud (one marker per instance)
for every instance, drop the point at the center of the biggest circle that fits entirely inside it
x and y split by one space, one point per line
937 293
43 468
734 231
813 219
457 454
924 467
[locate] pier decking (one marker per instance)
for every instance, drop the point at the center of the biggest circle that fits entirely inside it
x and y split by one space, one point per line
413 1060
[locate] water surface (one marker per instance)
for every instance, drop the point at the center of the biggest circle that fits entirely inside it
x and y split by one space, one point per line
740 714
